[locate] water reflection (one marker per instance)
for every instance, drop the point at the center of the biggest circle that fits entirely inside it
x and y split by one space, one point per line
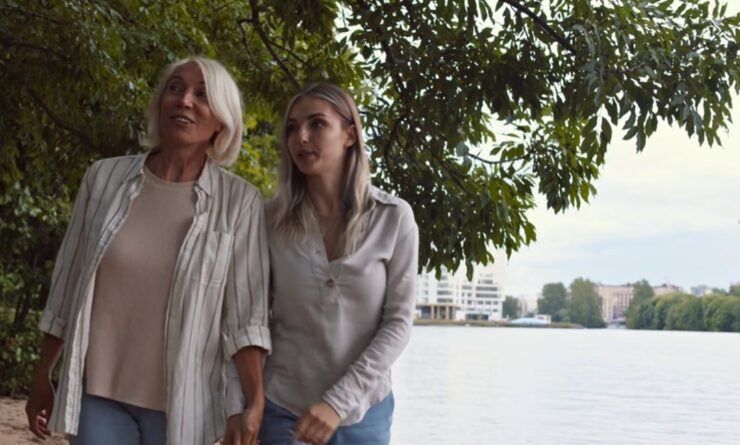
457 385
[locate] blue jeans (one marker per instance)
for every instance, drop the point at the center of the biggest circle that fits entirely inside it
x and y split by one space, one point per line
106 421
373 429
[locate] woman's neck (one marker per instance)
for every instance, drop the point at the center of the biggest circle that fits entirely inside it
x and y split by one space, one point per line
177 165
326 197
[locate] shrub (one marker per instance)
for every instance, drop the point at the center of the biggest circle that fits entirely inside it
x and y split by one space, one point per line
19 353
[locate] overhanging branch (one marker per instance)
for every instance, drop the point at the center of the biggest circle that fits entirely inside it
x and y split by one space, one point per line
542 24
254 21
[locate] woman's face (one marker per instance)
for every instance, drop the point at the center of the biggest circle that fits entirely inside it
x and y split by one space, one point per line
185 118
318 137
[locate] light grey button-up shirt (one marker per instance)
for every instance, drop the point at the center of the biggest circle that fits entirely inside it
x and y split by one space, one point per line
217 303
337 327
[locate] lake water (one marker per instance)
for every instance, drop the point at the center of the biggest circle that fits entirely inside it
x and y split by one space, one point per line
511 386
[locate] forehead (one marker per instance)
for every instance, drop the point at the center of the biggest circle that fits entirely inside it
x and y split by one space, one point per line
189 72
306 107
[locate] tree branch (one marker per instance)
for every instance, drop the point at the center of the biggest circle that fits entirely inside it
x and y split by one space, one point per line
542 24
34 15
392 135
499 162
246 46
60 123
10 43
385 45
291 53
225 5
254 21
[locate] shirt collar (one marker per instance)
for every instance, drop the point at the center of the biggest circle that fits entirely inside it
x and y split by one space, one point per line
383 197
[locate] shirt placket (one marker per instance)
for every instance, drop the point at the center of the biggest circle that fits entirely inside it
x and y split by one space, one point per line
202 207
326 273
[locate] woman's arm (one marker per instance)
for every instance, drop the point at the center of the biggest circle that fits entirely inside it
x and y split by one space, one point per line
67 270
243 426
41 399
246 335
247 282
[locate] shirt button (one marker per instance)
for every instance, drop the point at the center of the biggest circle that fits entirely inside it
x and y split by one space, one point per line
329 283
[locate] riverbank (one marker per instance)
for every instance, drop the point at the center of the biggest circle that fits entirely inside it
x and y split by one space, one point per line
494 324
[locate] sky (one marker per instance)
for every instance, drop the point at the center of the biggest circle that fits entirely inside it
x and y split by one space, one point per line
670 214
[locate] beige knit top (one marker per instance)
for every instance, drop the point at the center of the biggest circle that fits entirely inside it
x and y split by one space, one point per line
125 356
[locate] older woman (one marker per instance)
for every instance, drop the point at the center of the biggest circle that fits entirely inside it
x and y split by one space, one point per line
161 277
344 265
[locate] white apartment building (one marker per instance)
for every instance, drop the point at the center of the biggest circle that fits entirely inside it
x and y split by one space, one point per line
480 298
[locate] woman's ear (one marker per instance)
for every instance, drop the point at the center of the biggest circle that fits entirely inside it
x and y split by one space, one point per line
351 136
216 133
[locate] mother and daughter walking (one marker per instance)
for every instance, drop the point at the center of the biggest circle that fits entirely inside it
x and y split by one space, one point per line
189 311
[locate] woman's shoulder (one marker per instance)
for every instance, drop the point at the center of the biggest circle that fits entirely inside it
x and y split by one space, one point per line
237 184
394 206
117 160
114 166
385 198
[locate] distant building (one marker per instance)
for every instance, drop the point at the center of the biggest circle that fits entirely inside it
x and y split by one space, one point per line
700 290
616 299
664 289
523 306
436 311
478 299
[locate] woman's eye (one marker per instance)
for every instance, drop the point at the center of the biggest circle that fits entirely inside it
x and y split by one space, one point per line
201 94
290 129
174 87
317 124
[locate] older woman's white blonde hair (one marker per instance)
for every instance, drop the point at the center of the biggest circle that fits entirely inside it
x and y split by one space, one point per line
291 210
224 100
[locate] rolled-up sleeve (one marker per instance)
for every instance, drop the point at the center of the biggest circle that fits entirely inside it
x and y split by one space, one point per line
68 265
394 332
245 299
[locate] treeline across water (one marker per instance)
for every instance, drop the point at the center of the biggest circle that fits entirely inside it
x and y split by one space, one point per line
684 312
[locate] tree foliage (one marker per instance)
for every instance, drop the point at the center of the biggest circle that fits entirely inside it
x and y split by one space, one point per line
510 308
686 315
585 304
678 311
554 301
470 108
734 289
641 292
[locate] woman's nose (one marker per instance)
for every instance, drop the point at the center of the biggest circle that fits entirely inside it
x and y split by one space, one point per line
186 99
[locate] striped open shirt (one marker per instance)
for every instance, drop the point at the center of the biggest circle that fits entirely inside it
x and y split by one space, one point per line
217 303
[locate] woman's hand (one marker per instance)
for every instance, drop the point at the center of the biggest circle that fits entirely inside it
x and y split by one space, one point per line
243 429
317 424
41 401
40 404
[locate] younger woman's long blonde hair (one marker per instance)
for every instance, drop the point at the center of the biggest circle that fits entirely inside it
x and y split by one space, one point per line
291 211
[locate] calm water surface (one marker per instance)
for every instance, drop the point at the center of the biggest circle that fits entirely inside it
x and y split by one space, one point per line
468 385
